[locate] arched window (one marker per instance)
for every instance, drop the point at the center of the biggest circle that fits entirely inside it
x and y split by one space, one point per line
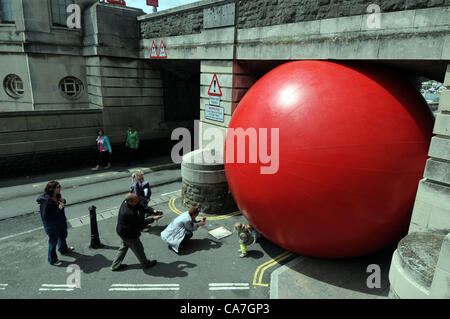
71 87
13 86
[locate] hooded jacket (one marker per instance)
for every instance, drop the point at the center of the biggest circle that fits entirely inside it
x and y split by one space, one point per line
53 218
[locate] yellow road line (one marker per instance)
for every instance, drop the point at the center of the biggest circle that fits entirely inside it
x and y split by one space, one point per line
179 212
263 267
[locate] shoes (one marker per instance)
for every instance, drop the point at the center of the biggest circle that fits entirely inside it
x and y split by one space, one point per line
69 250
120 268
170 247
150 263
95 168
242 255
109 166
56 263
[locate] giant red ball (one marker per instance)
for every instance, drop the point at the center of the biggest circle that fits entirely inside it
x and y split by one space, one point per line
353 142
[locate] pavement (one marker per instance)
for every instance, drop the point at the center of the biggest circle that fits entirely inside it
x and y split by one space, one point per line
209 268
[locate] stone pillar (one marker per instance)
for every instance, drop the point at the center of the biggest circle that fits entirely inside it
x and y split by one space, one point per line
432 206
204 181
420 266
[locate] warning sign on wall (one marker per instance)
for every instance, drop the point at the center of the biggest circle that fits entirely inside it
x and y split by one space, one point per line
162 51
214 88
154 51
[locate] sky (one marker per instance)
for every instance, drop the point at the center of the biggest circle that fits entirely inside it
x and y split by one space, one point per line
163 4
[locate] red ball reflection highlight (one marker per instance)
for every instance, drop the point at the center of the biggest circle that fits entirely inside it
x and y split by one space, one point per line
353 142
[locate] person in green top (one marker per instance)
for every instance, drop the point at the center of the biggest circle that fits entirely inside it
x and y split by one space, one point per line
132 144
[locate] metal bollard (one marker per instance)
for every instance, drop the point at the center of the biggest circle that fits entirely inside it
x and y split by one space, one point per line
95 238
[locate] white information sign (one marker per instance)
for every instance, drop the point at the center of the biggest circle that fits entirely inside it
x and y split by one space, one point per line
214 100
215 113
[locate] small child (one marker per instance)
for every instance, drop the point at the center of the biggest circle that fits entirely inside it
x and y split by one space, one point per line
245 237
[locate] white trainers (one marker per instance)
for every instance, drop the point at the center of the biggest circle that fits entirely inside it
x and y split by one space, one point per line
242 255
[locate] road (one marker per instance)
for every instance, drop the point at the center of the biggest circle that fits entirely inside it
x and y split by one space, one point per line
208 268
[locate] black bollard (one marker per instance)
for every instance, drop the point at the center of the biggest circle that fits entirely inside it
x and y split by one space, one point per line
95 238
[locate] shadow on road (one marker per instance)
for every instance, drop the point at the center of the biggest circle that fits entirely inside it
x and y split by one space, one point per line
88 264
167 270
194 245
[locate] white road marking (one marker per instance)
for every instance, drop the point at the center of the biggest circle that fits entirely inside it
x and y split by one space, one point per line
22 233
3 286
228 286
53 287
179 191
143 287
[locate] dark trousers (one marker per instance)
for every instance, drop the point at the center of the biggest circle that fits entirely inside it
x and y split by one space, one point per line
136 246
187 236
103 158
133 155
56 240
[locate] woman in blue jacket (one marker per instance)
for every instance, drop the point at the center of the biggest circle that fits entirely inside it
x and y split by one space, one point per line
104 150
54 220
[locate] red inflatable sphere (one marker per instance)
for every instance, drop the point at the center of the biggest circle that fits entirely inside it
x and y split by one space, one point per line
353 142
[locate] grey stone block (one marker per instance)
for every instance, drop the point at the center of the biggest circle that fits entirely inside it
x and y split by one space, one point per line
438 171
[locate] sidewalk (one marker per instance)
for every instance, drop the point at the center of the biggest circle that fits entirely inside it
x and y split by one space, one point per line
34 185
314 278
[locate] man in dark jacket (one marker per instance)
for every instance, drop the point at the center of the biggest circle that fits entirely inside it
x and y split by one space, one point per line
130 223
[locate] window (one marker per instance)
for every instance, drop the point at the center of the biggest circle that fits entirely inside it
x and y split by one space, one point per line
71 87
59 12
13 86
7 11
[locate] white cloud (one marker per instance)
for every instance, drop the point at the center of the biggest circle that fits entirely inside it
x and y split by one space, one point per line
163 4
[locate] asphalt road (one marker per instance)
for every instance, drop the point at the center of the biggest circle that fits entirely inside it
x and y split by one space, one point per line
207 268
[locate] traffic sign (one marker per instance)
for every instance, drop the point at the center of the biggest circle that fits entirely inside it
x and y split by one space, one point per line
214 87
162 51
153 52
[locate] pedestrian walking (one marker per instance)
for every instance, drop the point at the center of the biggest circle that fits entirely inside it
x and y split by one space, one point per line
104 150
245 237
130 223
132 145
181 229
51 207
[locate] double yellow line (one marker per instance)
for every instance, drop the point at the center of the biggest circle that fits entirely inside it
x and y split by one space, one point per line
258 277
179 212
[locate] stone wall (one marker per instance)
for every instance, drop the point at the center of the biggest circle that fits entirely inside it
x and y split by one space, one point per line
211 198
260 13
274 12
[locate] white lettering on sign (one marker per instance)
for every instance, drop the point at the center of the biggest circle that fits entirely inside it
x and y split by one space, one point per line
215 113
214 100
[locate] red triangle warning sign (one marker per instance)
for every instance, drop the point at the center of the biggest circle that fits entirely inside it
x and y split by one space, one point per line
162 51
153 51
214 87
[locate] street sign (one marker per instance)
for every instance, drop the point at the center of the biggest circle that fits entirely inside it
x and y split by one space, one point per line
214 100
214 88
153 52
153 3
162 54
215 113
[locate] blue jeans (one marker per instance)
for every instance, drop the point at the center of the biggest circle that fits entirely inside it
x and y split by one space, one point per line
54 240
